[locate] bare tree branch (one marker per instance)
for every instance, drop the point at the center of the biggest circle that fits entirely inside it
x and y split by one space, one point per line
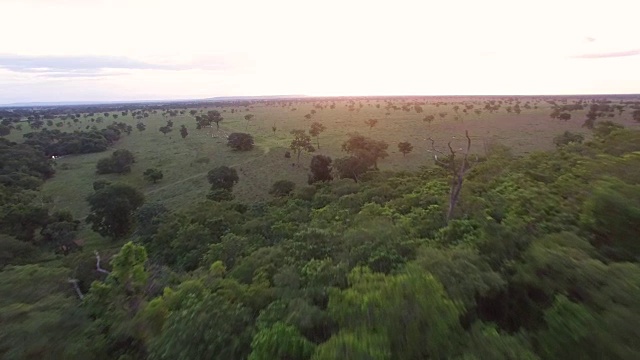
435 157
98 264
458 176
74 283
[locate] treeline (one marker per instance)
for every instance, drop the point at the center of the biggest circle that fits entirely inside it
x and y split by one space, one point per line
539 260
59 143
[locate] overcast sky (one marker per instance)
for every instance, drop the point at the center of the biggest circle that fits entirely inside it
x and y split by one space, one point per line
88 50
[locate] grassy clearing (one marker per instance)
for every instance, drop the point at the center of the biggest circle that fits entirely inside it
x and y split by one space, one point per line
185 162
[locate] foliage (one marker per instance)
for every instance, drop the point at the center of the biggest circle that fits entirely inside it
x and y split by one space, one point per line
58 143
153 175
301 142
316 129
405 147
240 141
280 341
367 150
320 168
568 138
540 262
223 177
119 162
112 209
282 188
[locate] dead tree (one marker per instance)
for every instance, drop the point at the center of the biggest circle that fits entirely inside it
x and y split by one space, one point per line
457 172
98 268
74 282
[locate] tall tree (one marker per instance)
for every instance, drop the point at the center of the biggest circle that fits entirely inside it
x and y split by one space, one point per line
301 142
248 117
214 116
457 169
316 129
183 131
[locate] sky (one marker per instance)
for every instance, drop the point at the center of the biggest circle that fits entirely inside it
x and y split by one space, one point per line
123 50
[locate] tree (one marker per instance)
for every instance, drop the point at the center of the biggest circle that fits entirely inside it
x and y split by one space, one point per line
405 147
220 195
282 188
409 310
567 138
248 117
429 119
188 332
366 149
112 209
564 116
320 169
165 130
99 184
457 169
371 123
240 141
223 177
36 124
153 175
141 126
214 116
183 131
280 341
351 167
316 129
119 162
301 142
636 115
4 130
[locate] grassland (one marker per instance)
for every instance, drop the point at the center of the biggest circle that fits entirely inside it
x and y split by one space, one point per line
185 162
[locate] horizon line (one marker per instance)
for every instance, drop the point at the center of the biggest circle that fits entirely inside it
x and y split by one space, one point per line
273 97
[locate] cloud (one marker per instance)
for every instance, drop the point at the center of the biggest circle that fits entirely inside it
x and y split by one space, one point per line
633 52
71 64
107 66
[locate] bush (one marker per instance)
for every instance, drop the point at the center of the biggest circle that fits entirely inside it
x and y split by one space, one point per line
220 195
222 177
282 188
240 141
567 138
119 163
153 175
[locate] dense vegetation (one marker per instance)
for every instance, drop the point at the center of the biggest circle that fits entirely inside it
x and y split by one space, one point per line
537 260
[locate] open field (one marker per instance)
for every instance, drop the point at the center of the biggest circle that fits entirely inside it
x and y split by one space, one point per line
185 162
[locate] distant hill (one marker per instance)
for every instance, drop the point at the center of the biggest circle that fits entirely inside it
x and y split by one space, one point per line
219 98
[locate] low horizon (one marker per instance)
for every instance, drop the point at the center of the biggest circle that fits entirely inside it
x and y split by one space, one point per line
294 96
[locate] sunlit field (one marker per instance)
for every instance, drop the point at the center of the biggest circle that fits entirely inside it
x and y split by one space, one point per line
185 162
